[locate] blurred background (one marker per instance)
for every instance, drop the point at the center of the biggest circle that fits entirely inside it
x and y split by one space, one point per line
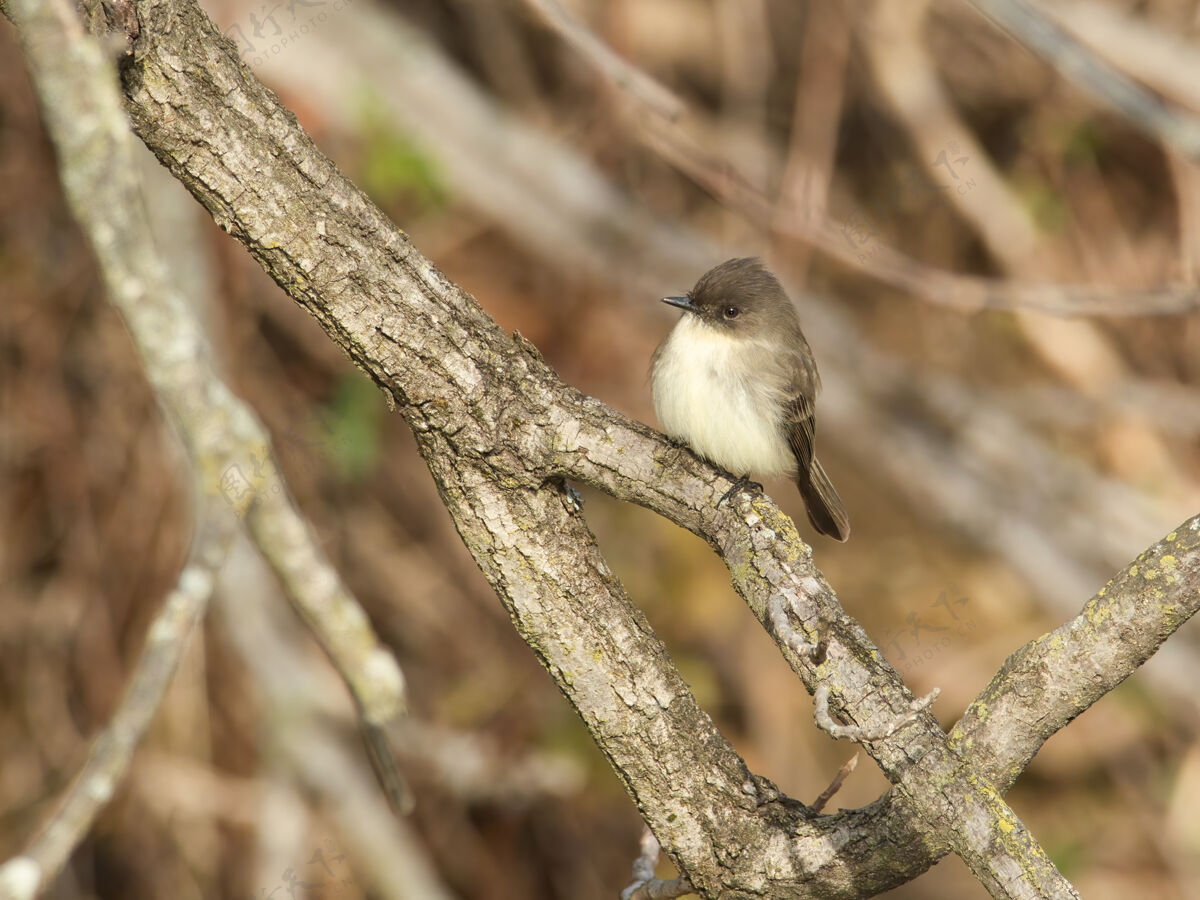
909 171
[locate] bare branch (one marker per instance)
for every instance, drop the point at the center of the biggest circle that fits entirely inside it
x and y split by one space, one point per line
310 580
25 876
816 115
1051 680
471 767
644 885
910 85
1163 58
228 448
962 292
836 785
906 77
667 137
858 733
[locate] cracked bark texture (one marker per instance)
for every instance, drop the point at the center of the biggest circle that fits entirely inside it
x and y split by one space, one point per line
499 431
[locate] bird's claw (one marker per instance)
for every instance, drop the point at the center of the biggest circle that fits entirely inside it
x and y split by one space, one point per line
573 500
739 484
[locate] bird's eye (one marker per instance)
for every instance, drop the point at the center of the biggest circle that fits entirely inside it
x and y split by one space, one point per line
731 312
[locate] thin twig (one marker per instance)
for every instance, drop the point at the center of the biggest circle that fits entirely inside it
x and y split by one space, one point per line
908 82
857 733
1167 63
967 293
644 885
834 786
472 768
816 115
24 876
777 608
911 86
384 847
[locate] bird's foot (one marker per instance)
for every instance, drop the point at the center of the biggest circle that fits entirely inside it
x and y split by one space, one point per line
572 499
741 483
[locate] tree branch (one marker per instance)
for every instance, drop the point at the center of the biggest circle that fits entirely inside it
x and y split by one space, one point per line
82 108
836 785
644 885
28 874
1054 678
622 75
1048 682
495 427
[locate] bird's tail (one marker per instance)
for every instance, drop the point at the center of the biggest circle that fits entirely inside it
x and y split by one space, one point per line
825 508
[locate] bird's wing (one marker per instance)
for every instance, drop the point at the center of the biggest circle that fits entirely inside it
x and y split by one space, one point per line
800 428
821 501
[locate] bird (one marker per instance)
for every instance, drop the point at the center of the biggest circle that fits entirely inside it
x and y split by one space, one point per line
736 381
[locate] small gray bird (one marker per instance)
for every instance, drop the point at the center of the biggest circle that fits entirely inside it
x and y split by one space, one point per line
736 381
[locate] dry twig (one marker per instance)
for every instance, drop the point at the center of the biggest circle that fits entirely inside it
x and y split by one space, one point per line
856 732
836 785
667 136
644 885
28 874
384 847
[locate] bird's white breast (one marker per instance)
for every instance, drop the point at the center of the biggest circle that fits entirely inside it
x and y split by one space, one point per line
722 396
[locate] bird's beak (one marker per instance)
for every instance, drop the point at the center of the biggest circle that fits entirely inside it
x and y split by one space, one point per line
684 302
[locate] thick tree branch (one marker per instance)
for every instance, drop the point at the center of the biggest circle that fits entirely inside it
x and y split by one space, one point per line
644 885
1051 680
